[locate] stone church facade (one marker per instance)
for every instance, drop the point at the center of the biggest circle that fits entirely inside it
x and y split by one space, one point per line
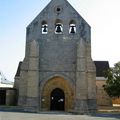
58 72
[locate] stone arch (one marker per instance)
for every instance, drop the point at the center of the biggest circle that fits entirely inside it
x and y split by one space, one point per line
72 22
61 83
67 78
58 21
44 22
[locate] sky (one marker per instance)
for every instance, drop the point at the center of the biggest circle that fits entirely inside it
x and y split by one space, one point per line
102 15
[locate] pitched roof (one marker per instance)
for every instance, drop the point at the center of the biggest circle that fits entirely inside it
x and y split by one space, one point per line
101 67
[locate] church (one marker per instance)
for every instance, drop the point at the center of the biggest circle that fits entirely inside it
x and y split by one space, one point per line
58 73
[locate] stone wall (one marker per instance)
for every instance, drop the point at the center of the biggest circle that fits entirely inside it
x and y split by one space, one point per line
102 97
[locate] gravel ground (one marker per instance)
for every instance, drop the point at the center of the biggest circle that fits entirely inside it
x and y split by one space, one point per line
53 116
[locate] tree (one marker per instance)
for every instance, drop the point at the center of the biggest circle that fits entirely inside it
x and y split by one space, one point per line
112 86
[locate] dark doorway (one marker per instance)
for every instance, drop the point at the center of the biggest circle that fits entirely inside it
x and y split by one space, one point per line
57 99
2 97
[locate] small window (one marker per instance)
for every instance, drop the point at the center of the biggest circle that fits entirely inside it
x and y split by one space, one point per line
58 9
44 27
72 27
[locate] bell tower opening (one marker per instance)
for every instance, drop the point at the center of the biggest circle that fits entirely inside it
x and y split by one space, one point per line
44 27
58 27
72 27
57 100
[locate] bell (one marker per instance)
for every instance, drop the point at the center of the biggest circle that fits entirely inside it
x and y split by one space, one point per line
72 29
58 26
45 28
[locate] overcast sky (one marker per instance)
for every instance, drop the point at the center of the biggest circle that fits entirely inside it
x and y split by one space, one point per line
102 15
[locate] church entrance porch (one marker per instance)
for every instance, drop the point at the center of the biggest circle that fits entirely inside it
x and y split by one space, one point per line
57 100
57 95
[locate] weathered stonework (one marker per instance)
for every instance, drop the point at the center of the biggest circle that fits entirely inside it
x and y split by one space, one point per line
60 60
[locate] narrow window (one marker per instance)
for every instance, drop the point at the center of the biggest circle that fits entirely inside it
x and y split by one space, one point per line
44 27
72 27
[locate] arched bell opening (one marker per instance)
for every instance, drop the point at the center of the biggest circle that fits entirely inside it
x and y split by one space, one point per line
72 27
58 27
57 100
44 27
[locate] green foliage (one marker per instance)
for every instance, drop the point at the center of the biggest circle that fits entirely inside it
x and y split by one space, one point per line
112 86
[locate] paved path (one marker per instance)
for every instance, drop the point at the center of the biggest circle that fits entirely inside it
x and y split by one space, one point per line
32 116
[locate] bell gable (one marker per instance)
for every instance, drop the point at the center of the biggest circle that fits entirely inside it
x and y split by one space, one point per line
58 17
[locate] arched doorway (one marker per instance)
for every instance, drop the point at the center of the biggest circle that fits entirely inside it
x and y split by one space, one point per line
60 86
57 99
